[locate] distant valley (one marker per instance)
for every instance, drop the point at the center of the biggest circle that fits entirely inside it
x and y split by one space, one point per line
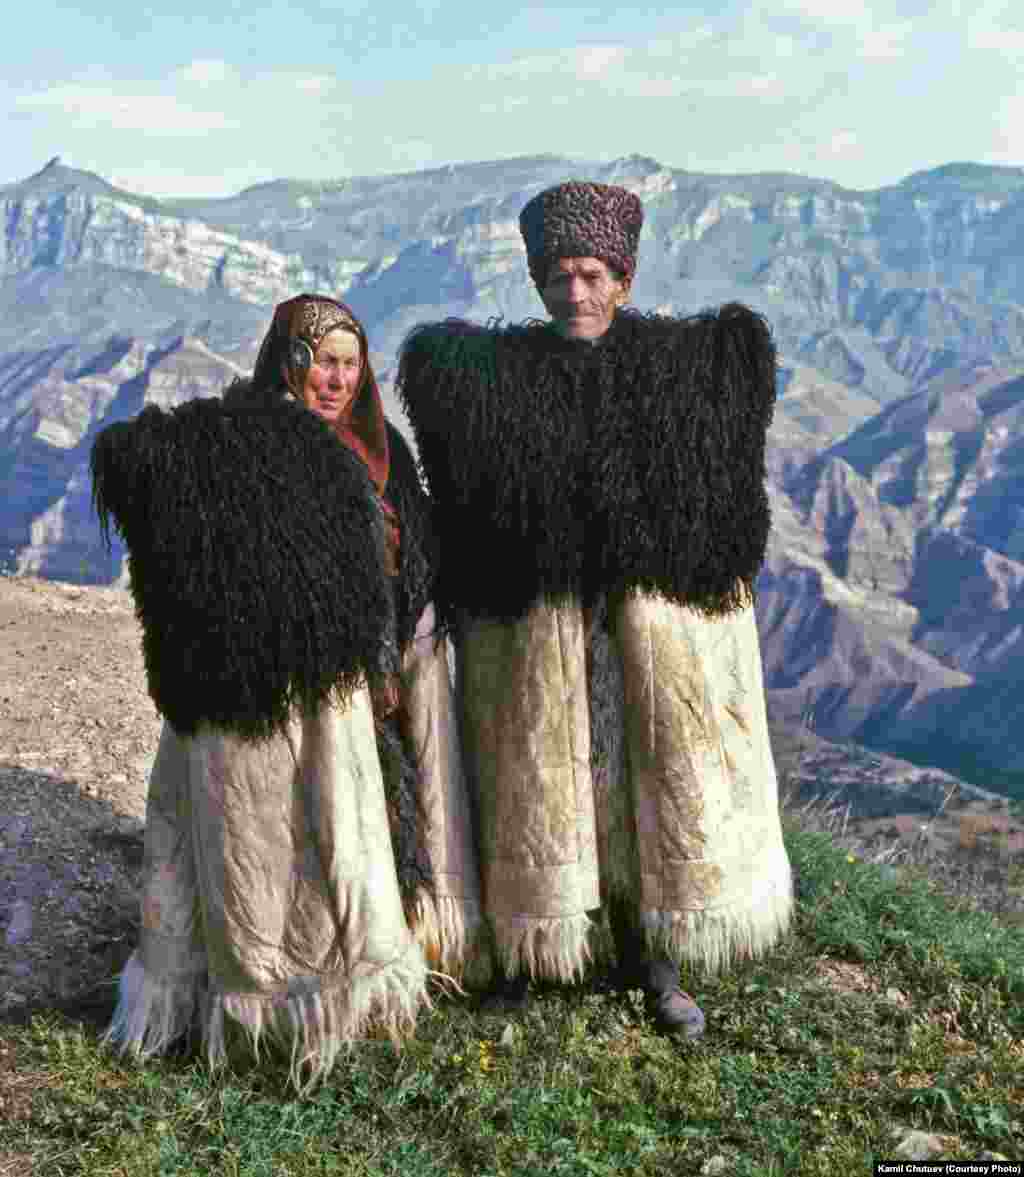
891 604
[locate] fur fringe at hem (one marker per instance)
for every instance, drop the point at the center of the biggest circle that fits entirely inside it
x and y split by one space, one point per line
152 1014
316 1026
714 939
447 929
550 949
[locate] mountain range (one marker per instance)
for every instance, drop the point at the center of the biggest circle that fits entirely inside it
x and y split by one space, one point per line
891 603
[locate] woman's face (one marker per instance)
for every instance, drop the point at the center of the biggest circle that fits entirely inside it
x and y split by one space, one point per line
333 378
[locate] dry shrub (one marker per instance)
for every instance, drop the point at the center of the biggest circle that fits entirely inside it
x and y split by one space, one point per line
983 833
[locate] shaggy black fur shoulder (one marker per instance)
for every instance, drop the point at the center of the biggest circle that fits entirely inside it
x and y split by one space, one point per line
562 469
256 548
419 555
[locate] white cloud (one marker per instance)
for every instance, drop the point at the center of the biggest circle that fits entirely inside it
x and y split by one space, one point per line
681 43
838 29
502 106
984 35
595 61
412 155
884 42
1008 145
783 45
760 85
316 84
843 143
743 85
90 107
584 62
206 71
657 69
648 86
828 12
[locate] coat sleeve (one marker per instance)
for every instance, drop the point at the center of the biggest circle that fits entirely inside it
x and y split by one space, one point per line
680 485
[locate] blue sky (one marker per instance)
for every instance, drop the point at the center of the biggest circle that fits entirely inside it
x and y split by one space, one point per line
190 99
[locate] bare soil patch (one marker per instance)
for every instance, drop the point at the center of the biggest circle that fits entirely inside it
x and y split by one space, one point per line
77 737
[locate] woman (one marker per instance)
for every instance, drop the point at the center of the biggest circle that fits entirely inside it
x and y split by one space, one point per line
308 852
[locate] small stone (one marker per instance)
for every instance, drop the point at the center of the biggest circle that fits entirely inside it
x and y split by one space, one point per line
714 1166
896 996
507 1041
918 1146
19 926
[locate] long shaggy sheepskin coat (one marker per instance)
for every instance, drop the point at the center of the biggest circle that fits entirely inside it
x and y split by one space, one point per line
602 515
307 859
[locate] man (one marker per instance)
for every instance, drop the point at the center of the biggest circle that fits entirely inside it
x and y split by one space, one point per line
600 500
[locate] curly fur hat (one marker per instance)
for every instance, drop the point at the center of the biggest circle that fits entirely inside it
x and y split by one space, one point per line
582 219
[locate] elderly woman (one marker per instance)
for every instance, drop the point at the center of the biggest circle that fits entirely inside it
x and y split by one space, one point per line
308 853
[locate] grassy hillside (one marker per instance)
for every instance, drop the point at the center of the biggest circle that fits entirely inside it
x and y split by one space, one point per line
895 1005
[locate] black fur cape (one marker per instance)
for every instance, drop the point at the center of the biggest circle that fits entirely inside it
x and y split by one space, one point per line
256 548
561 469
419 556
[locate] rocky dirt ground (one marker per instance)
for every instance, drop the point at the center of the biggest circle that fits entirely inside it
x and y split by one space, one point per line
77 737
78 733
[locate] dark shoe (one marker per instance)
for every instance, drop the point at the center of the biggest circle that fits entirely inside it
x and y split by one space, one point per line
671 1010
508 995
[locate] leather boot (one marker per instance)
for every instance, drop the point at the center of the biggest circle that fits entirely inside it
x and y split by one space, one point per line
671 1010
507 995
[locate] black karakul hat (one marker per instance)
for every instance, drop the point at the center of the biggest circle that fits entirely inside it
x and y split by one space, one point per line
582 219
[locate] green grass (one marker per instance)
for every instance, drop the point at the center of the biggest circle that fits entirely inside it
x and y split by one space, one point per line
797 1074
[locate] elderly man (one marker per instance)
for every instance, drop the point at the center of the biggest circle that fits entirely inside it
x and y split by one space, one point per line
599 487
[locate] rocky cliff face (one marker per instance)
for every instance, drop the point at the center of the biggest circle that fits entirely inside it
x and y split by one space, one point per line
52 404
879 290
892 600
62 222
891 603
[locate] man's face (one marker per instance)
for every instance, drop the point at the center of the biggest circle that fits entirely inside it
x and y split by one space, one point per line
333 379
581 296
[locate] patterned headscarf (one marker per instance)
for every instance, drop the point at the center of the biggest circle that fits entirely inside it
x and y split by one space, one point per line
581 219
298 328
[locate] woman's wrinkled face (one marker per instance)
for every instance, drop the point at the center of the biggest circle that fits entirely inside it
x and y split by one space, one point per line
581 296
333 378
